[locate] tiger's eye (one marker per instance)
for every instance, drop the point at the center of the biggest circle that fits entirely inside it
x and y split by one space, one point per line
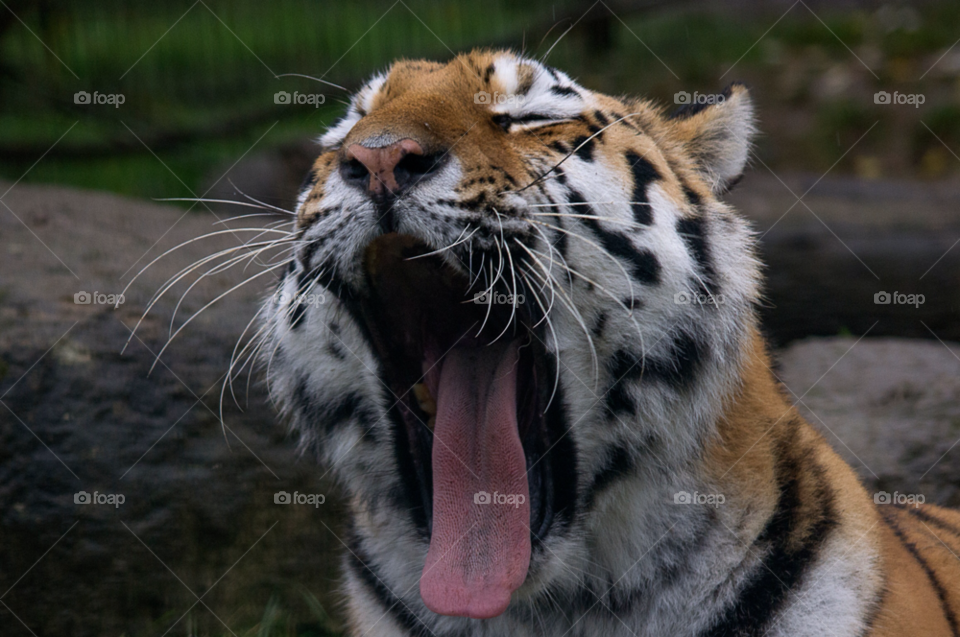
503 121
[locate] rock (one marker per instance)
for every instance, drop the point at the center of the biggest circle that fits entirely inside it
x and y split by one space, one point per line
272 176
77 415
828 257
890 407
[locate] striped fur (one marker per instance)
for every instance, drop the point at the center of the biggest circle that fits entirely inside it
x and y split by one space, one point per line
664 383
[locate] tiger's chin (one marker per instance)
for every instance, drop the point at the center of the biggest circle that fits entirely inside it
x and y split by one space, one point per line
474 391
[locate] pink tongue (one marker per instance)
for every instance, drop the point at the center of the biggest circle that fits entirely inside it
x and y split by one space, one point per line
480 547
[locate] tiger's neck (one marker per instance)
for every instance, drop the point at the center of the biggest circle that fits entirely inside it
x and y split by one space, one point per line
736 529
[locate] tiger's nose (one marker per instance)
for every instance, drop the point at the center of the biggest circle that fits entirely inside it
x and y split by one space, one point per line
388 169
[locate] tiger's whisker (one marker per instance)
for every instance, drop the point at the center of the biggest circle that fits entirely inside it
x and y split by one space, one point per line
200 311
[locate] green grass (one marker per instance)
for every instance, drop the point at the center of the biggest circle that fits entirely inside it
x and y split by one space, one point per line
296 613
204 71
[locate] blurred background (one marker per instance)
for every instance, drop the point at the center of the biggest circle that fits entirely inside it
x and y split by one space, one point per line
108 106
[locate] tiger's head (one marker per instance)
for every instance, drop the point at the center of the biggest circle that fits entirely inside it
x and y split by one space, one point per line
526 292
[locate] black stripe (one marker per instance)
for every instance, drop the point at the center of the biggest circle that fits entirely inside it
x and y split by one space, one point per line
643 174
618 464
488 73
934 582
296 317
689 110
304 282
601 323
619 117
876 605
333 348
308 253
785 564
359 563
584 148
692 195
562 454
564 91
561 243
643 264
927 517
601 118
693 231
618 401
677 369
333 414
539 117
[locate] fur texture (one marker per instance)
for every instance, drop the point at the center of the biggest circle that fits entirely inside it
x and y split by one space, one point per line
605 213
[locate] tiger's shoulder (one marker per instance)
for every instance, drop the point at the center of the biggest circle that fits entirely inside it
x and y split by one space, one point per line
884 569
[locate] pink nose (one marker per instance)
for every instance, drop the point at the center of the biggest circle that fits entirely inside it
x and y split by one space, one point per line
381 164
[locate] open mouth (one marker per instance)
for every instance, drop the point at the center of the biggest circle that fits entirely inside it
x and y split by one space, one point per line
473 384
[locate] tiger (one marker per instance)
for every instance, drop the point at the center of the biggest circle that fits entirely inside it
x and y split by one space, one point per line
538 377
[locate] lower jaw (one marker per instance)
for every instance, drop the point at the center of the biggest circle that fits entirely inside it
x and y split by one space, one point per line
551 462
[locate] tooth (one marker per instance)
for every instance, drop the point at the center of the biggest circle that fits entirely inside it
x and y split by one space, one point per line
425 400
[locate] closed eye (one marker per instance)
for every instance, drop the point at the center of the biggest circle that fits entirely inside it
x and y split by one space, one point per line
505 121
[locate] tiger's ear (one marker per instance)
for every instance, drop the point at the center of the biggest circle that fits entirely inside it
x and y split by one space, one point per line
717 133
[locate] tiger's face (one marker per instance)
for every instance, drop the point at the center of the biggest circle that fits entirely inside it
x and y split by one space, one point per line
529 291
